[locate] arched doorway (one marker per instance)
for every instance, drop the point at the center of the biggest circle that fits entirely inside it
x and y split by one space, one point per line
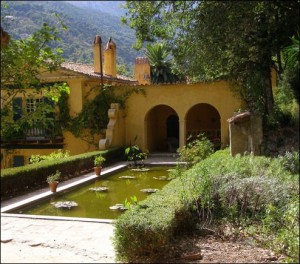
162 126
173 126
204 118
172 133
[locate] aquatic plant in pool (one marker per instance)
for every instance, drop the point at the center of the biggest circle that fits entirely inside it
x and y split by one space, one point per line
95 200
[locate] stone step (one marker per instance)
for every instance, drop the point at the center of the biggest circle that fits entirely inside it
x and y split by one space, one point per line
162 154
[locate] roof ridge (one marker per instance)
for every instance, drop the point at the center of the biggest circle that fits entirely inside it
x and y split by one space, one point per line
88 69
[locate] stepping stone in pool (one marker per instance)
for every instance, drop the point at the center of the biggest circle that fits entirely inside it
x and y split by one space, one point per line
141 169
162 178
65 204
99 189
127 177
149 190
118 207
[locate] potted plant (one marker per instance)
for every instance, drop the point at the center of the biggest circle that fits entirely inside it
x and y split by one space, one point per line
98 161
53 180
136 155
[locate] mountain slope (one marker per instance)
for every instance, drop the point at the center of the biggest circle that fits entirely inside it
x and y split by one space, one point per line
110 7
83 24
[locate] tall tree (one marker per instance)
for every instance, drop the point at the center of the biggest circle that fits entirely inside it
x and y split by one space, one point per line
238 40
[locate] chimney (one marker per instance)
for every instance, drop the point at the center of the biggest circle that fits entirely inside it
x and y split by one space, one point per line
97 55
142 70
110 59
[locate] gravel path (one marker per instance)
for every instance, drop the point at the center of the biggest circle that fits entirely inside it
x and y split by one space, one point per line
27 240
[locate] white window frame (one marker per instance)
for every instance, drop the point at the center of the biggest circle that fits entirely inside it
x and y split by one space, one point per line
32 103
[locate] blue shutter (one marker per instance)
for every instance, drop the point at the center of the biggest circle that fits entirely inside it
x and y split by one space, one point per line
17 108
50 102
18 161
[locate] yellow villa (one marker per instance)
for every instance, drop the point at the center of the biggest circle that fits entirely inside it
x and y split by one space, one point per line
159 120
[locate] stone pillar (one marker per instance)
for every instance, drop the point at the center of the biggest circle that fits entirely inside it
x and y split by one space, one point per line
246 134
145 143
182 132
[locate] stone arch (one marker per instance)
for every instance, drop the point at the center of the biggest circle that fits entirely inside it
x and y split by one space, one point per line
161 129
204 118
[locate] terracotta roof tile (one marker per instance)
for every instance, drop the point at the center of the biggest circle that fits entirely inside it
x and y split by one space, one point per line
87 69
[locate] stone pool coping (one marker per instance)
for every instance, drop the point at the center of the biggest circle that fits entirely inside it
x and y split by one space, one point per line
18 202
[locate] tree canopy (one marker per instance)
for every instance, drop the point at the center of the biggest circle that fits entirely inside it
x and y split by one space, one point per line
239 40
22 62
160 64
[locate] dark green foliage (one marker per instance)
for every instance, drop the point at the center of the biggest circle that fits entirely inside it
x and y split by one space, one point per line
160 64
64 110
20 180
134 154
291 73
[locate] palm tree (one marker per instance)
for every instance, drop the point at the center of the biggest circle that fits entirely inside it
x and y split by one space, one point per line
160 64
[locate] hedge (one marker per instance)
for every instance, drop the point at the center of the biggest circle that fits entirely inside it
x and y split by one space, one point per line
21 180
147 230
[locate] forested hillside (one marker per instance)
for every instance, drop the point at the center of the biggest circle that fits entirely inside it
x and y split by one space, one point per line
25 17
110 7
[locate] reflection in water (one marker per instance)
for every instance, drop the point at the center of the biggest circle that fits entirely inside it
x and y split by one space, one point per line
96 204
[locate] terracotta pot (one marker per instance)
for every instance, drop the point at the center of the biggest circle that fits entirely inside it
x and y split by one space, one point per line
53 186
97 170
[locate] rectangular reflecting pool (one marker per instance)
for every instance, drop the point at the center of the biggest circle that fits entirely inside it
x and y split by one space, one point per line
98 199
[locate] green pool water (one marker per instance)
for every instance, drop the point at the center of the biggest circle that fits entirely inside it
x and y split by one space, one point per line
93 204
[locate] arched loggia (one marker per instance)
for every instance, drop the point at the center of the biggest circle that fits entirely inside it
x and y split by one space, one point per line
204 118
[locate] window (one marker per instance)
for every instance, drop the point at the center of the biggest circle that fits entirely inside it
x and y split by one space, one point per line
32 104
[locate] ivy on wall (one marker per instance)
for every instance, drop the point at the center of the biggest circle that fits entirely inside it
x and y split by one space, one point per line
93 116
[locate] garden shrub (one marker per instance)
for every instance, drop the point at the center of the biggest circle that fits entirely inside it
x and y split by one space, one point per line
135 156
290 161
245 190
248 190
59 154
196 150
278 229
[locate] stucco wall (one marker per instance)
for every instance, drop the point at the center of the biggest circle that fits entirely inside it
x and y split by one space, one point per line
77 145
8 155
76 96
138 119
